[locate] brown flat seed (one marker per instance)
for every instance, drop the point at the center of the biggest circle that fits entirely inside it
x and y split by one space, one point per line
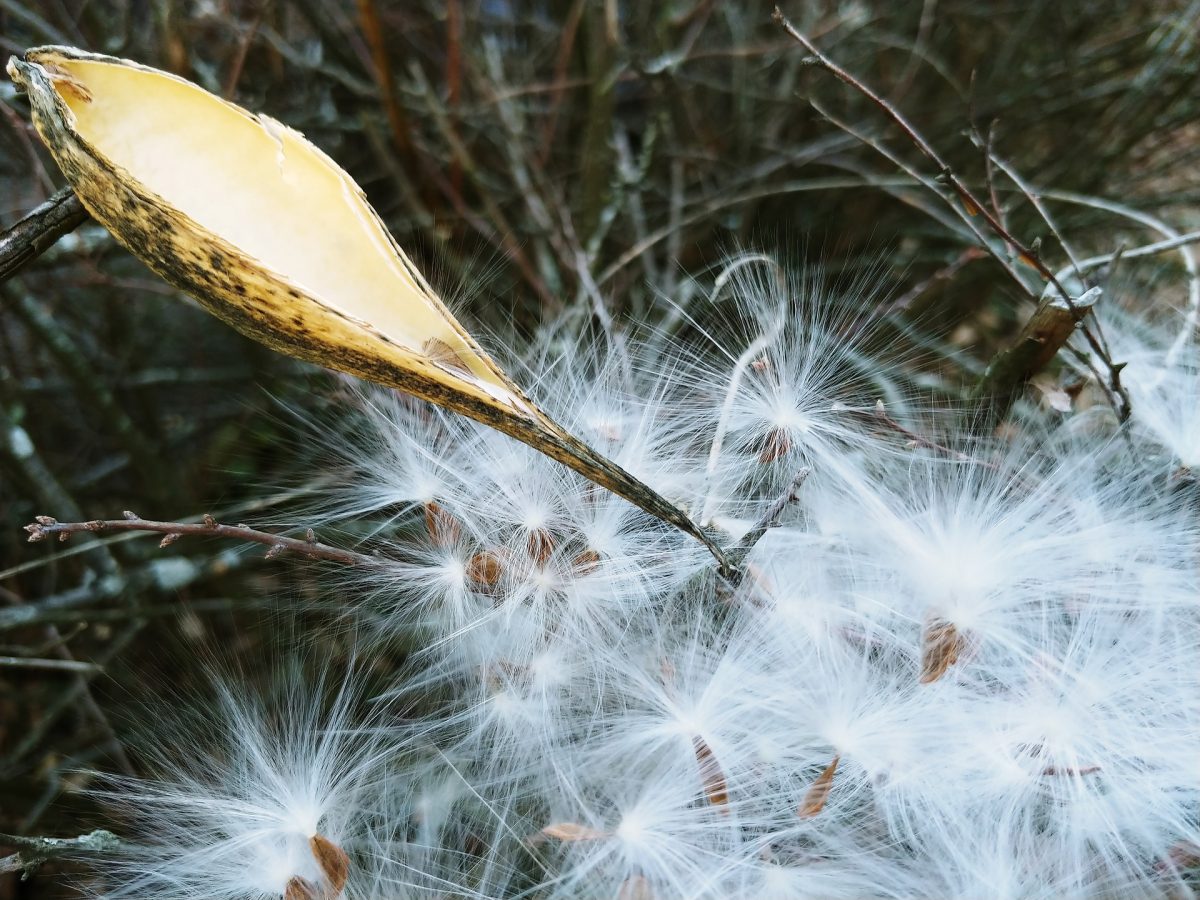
776 445
443 527
818 791
300 889
444 355
540 546
1183 855
715 787
1070 772
333 862
941 644
585 563
571 832
484 571
636 887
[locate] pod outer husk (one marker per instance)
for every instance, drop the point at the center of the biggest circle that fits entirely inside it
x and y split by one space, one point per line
263 304
274 309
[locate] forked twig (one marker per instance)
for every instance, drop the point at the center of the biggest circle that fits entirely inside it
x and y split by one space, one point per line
1119 396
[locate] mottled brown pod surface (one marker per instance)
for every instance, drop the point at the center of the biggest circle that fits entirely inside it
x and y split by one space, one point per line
273 237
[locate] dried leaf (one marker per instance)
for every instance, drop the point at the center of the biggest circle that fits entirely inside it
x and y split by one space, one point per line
818 791
1055 397
941 645
716 789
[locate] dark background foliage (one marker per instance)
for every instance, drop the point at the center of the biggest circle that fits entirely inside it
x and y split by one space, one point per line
540 159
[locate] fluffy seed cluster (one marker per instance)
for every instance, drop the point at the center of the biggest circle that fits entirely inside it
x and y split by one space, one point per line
954 666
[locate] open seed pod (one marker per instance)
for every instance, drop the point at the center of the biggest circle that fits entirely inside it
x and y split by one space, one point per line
273 237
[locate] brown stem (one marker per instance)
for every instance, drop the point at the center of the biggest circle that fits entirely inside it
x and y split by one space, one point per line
1043 335
919 440
372 29
46 527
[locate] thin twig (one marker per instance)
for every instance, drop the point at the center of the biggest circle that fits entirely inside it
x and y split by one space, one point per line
46 527
990 175
242 51
971 202
1095 262
562 59
918 440
69 698
969 224
90 705
61 665
72 361
1035 200
38 231
942 275
768 520
33 851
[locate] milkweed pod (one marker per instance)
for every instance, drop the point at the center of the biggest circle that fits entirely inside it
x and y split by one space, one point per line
273 237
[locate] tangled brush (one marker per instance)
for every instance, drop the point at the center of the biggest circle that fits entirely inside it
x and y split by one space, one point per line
721 602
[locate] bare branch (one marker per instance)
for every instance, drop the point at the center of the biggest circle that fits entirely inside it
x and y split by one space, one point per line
917 440
46 527
768 520
1183 240
39 231
1119 396
941 276
33 851
1041 338
61 665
